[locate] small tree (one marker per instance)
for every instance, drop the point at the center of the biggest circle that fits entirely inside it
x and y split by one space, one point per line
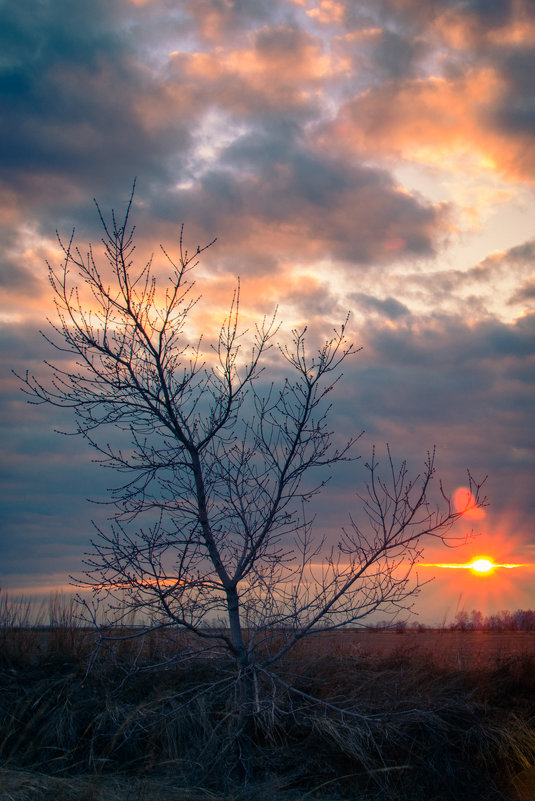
219 464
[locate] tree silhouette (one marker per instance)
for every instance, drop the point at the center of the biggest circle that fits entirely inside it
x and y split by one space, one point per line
209 532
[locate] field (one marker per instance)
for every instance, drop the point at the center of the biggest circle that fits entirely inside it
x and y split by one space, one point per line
411 716
463 650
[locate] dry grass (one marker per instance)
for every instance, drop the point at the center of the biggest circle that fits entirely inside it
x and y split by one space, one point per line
25 785
403 724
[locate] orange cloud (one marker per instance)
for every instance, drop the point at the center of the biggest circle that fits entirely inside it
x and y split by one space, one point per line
463 29
327 11
437 122
283 65
465 25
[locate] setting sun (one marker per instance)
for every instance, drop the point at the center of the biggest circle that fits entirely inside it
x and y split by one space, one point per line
481 565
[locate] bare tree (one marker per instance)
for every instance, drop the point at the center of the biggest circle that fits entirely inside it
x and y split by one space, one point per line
209 532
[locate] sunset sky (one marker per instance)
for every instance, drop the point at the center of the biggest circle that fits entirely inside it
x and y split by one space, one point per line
372 156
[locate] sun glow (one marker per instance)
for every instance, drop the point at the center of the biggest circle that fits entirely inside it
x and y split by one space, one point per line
481 565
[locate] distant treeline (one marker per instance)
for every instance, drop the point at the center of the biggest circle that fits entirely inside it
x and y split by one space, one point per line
521 620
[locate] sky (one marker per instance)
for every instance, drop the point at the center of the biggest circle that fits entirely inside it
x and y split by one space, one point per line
375 157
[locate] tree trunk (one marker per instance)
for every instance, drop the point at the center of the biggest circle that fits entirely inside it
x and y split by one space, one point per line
236 632
245 695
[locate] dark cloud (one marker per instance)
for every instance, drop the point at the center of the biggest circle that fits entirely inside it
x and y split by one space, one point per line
398 56
522 253
384 54
447 340
316 303
480 17
387 307
486 14
516 110
15 276
354 213
524 293
466 389
74 99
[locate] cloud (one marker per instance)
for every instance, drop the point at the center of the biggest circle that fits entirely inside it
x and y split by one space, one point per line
274 195
515 113
78 102
460 24
467 389
15 276
387 307
451 84
218 21
279 71
436 120
525 293
487 289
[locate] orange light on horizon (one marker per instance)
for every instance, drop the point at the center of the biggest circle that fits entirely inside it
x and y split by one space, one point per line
481 565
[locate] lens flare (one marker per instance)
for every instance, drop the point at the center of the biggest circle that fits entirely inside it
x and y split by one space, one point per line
465 503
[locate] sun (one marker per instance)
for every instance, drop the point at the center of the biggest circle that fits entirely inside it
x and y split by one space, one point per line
482 565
